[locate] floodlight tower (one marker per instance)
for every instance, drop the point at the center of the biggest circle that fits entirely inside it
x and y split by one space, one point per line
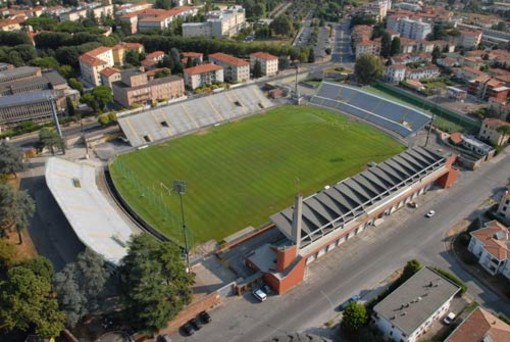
51 99
179 187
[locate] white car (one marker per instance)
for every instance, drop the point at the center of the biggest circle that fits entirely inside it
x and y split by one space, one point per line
260 295
449 318
430 213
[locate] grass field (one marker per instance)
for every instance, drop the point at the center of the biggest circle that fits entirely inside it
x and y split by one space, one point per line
240 173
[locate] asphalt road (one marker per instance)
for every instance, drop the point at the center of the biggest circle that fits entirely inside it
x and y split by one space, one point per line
363 262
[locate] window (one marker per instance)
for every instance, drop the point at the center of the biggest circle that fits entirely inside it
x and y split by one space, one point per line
504 208
164 123
146 138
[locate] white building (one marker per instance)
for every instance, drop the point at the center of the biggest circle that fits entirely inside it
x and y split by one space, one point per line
234 69
99 10
203 74
491 246
395 73
489 131
504 206
93 62
268 62
221 23
427 72
409 28
469 39
407 313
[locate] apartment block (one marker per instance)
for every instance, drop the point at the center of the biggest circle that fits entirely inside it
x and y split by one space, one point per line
485 87
469 39
220 23
409 28
137 87
489 131
153 18
201 75
234 69
268 62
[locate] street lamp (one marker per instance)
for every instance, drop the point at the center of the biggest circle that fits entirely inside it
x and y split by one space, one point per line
179 187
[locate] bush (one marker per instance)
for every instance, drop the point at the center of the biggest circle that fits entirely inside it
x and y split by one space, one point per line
464 239
453 279
474 225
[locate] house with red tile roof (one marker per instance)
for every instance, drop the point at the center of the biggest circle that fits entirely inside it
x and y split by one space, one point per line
203 74
109 75
234 69
268 62
491 246
489 131
480 325
504 206
196 57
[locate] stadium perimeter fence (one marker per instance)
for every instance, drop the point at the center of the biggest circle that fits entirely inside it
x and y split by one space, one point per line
468 124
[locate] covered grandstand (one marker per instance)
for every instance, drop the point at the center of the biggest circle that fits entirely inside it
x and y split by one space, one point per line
94 220
188 116
402 120
321 222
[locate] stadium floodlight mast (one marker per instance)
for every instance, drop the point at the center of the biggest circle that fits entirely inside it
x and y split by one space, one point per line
179 186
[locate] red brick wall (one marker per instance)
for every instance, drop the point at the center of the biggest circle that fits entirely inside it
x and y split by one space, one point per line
285 257
295 277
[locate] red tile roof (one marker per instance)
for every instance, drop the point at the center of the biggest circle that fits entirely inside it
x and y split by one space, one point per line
191 54
479 325
498 247
155 55
108 72
228 59
263 55
98 51
492 122
199 69
456 138
91 60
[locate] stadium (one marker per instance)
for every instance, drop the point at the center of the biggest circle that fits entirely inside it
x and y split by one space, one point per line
243 158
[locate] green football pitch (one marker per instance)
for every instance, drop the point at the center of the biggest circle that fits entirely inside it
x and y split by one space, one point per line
238 174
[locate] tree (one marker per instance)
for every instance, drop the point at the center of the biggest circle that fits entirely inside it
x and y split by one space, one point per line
436 53
154 283
395 46
70 106
41 267
72 301
75 84
49 138
410 269
368 68
27 303
16 208
503 129
283 62
7 255
385 45
102 96
282 25
354 318
132 57
11 159
311 55
257 69
163 4
175 55
163 72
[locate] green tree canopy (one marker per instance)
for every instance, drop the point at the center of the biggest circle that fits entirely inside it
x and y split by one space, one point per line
7 255
16 208
257 69
155 285
28 304
283 26
385 44
11 159
49 138
354 318
368 68
395 46
503 129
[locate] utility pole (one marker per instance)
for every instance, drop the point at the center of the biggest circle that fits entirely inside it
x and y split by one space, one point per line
179 187
430 129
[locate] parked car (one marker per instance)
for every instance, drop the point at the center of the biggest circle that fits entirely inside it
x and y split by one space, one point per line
449 318
195 323
413 205
188 329
430 213
164 338
260 295
354 298
205 317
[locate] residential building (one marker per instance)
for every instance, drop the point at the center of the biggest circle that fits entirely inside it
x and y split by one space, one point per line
480 325
447 62
221 23
109 75
409 28
504 206
268 62
196 57
135 87
154 18
368 47
407 313
99 10
428 72
485 87
94 61
32 106
395 73
234 69
473 62
456 93
361 33
489 131
499 108
491 246
152 59
203 74
408 45
318 224
469 39
468 74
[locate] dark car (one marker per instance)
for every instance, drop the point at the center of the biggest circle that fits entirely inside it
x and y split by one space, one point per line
188 329
354 298
196 323
205 317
